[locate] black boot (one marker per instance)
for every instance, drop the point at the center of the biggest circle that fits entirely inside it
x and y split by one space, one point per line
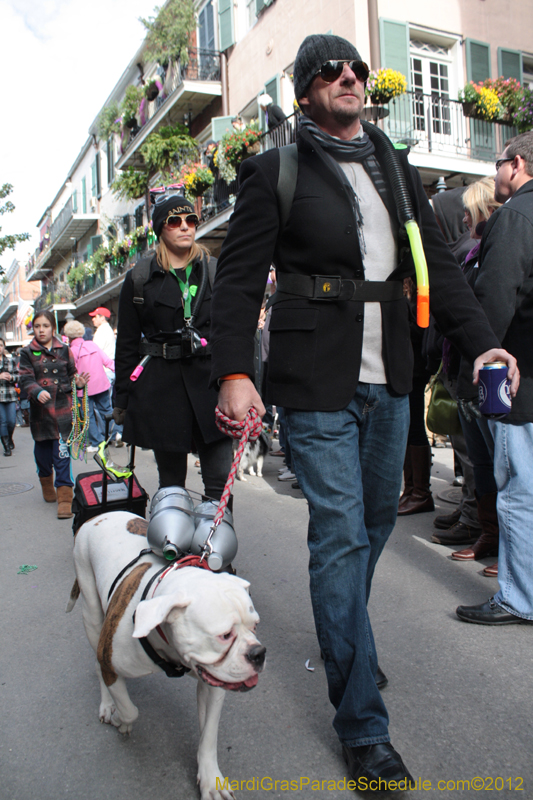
420 498
7 448
10 437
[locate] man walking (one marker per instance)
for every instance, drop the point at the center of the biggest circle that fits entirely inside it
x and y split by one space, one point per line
504 287
340 359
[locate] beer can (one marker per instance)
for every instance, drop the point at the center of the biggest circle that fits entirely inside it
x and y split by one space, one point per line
494 391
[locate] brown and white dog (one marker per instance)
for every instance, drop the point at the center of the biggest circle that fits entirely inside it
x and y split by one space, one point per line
192 618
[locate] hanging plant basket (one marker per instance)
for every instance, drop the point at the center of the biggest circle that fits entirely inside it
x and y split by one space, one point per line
379 99
469 109
152 92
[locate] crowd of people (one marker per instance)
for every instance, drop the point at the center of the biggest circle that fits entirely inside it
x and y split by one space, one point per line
338 337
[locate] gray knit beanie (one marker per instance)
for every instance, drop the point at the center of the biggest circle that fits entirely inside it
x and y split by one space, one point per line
314 51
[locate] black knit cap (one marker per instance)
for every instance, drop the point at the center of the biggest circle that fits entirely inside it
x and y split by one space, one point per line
176 203
314 51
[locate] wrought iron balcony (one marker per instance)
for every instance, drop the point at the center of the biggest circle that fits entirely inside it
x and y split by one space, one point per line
188 88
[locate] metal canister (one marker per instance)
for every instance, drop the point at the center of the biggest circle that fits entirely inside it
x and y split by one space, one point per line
223 541
171 525
494 389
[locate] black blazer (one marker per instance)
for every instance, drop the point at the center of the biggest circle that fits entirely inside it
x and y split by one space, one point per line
315 346
503 283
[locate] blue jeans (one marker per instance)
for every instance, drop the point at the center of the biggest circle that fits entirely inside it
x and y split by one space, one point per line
101 403
8 417
49 456
513 454
349 466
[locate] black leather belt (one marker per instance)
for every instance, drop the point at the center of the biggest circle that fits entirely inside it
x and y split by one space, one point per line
333 287
169 351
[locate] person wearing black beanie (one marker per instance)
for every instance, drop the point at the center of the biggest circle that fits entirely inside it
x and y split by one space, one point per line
340 359
164 323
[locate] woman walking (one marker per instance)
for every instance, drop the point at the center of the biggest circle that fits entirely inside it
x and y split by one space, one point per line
170 405
47 369
8 399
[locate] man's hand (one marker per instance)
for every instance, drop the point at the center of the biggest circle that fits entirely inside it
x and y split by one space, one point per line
496 354
119 415
236 397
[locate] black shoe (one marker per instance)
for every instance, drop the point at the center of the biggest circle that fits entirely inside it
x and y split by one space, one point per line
489 613
457 534
381 679
445 521
295 485
376 761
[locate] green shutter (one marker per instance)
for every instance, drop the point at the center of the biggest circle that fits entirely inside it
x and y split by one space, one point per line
219 126
477 61
510 64
226 35
75 202
259 5
89 250
94 187
272 88
96 242
83 195
394 46
482 140
394 52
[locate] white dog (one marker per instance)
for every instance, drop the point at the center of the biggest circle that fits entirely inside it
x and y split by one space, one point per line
188 618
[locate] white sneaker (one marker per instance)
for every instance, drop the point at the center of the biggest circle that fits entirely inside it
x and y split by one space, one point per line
283 469
118 440
92 449
287 476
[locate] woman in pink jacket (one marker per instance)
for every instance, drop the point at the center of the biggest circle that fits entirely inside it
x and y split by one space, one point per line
92 359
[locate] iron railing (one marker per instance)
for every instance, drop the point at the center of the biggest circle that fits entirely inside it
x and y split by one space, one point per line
201 65
434 124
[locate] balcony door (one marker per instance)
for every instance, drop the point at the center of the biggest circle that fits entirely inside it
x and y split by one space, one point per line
433 122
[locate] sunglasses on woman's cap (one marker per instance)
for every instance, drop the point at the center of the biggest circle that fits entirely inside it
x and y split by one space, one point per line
332 70
173 221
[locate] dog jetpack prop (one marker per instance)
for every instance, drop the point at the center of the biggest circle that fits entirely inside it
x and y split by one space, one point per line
178 529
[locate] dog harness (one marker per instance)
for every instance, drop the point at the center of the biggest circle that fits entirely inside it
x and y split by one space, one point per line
171 670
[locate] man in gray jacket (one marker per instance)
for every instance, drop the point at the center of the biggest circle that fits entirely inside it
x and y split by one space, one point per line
504 287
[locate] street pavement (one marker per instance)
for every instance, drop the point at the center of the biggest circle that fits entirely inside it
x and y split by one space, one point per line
459 695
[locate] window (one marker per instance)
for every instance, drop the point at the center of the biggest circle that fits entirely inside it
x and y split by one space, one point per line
84 195
126 223
139 215
206 27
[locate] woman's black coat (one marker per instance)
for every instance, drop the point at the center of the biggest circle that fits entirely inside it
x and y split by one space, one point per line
315 346
163 403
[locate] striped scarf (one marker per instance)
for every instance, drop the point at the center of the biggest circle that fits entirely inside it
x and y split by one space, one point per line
360 149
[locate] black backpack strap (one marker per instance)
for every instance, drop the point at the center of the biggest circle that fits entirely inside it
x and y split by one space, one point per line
212 268
288 174
139 275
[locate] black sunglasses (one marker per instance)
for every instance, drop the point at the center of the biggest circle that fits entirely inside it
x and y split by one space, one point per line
332 70
501 161
175 222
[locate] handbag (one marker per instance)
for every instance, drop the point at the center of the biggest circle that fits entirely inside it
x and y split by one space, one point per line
442 415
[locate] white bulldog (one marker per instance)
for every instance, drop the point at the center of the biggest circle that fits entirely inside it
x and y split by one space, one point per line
192 618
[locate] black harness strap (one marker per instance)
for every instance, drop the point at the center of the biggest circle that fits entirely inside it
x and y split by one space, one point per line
122 571
333 287
170 670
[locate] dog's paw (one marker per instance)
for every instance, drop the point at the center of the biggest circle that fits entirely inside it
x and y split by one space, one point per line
122 727
216 787
251 471
259 473
241 477
106 712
